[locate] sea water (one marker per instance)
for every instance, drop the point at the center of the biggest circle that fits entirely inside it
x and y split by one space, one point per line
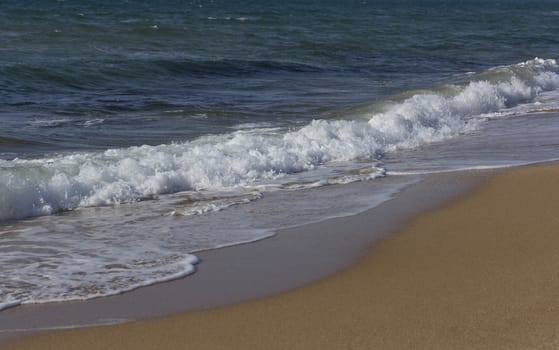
134 134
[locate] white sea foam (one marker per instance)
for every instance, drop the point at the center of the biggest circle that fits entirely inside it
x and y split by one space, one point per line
92 122
49 123
228 18
47 273
248 156
252 126
199 206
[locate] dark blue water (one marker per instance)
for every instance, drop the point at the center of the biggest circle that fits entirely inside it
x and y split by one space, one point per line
84 75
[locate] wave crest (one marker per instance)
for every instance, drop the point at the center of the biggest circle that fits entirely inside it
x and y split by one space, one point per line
244 157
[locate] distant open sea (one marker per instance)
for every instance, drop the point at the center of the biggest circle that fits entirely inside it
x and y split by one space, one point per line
135 133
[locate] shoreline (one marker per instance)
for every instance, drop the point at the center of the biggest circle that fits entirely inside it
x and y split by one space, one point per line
309 249
478 272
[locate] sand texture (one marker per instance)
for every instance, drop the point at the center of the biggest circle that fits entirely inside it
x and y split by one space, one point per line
480 273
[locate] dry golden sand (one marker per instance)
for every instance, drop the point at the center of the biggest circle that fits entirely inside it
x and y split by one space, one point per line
480 273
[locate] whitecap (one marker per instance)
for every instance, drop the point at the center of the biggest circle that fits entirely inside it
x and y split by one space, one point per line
49 123
254 156
93 122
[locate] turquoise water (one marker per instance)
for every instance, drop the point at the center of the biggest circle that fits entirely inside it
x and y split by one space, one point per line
137 121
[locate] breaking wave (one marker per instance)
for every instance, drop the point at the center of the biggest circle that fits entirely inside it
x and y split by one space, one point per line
245 157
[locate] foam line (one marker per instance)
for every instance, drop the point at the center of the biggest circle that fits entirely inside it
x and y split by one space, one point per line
241 158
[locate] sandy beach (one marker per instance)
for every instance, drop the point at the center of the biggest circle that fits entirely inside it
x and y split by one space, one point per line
279 175
482 272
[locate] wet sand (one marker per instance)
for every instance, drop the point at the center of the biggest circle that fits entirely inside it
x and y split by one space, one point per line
480 273
292 258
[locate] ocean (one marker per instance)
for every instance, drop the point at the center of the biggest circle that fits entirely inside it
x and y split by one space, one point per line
134 134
